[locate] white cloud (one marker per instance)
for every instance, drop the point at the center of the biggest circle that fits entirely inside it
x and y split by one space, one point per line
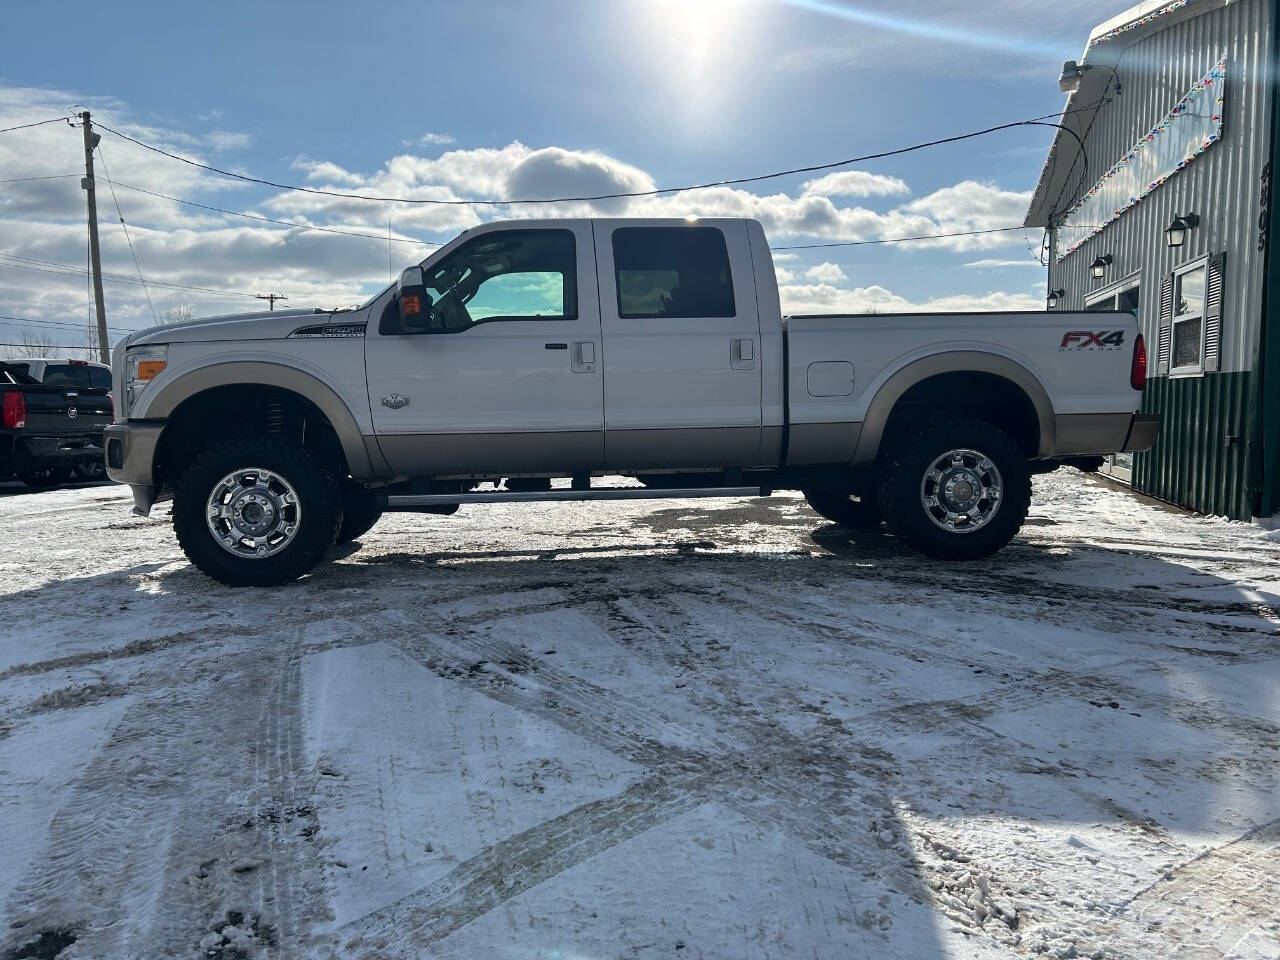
179 244
430 139
974 205
994 263
854 183
783 274
826 298
326 172
826 273
227 140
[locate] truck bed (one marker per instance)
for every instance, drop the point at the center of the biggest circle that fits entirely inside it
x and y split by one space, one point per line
838 365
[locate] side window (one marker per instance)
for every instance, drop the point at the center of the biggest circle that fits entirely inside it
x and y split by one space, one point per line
507 275
672 272
20 367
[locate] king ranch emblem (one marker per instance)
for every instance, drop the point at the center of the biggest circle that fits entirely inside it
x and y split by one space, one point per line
1091 340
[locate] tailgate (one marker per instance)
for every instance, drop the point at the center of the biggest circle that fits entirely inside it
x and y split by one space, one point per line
65 411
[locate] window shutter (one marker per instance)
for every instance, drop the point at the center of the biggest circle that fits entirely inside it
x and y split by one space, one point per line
1213 312
1165 329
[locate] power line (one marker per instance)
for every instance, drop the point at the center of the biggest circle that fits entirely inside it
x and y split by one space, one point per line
66 269
128 239
53 176
284 223
45 346
923 236
23 126
59 323
812 168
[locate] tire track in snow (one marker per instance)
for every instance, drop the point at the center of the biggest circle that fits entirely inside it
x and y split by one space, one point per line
763 761
1215 904
508 868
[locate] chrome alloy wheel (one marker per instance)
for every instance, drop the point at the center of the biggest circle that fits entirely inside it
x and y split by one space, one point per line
961 491
253 513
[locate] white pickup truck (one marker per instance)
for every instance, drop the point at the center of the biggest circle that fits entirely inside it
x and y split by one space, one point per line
522 351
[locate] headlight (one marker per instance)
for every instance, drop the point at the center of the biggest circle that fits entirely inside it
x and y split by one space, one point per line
142 365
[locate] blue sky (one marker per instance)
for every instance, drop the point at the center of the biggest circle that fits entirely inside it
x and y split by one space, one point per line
486 99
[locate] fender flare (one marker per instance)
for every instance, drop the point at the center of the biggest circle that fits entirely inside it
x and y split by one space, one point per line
264 374
959 361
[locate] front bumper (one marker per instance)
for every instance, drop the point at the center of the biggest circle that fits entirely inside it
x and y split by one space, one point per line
1142 433
130 456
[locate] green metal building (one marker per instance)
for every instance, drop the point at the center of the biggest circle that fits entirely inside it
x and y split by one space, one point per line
1157 197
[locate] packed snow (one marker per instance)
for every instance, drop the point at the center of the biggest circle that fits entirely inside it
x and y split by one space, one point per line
678 729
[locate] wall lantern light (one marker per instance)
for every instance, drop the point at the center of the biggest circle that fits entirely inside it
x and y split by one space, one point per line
1098 269
1072 74
1055 297
1176 233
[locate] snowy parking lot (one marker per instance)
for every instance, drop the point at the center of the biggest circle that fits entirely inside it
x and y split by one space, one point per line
688 729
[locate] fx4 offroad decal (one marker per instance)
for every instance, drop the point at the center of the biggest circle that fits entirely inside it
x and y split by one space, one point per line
1090 340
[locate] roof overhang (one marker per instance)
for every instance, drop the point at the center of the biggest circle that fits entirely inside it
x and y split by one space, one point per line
1060 177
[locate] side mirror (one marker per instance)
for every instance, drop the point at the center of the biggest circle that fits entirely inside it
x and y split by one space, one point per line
415 302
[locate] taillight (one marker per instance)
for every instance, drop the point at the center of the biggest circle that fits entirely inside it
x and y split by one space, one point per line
1138 368
15 410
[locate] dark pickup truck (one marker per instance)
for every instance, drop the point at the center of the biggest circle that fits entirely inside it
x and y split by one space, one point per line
50 433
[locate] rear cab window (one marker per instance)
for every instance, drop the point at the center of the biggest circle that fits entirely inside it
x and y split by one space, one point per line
672 272
66 375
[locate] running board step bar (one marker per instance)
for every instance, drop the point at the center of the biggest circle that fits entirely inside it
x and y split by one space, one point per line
412 501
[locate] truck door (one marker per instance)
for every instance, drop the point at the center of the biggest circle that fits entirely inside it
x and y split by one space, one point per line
501 372
681 345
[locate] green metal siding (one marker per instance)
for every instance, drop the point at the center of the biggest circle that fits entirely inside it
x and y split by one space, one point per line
1193 463
1269 341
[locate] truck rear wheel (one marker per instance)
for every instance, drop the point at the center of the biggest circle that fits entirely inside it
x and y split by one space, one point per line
956 489
844 509
256 512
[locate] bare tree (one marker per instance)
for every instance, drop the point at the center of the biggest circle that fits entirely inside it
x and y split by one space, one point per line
180 313
33 345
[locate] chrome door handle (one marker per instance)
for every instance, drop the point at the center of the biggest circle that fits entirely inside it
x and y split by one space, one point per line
584 356
742 353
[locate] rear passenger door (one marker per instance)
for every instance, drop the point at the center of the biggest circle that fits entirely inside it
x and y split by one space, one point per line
681 344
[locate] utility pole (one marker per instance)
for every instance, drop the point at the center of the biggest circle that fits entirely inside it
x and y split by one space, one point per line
271 298
95 256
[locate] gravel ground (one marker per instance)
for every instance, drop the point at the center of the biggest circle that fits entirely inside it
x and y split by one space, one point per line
690 729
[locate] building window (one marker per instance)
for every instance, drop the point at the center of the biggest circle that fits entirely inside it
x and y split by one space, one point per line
1123 295
1187 335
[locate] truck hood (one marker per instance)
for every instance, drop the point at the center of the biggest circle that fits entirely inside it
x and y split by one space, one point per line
266 325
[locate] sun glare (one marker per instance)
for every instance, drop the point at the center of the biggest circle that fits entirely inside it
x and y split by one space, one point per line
694 48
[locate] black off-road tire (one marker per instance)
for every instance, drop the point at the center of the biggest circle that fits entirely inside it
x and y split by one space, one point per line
318 492
45 478
843 510
906 463
361 509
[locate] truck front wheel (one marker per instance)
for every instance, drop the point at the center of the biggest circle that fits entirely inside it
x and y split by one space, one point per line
256 512
957 488
844 509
